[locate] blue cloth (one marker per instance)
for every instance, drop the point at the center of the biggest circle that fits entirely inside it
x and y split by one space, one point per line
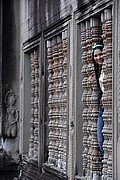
100 124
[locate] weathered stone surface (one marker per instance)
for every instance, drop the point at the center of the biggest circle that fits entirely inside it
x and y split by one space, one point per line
29 170
8 167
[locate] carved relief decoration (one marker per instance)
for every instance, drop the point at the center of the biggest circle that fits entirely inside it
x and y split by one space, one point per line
10 124
57 100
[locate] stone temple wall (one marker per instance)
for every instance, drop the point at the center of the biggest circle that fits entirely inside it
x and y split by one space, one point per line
47 102
9 91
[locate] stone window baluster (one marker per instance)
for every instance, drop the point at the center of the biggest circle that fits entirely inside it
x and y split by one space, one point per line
33 141
50 96
57 100
36 103
84 97
96 162
56 96
89 94
64 97
60 91
104 100
107 97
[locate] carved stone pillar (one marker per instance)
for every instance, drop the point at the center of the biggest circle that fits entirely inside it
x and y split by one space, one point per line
107 96
84 96
96 163
89 94
57 100
33 141
64 97
50 95
36 103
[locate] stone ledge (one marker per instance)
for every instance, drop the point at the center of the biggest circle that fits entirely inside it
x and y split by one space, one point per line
52 173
